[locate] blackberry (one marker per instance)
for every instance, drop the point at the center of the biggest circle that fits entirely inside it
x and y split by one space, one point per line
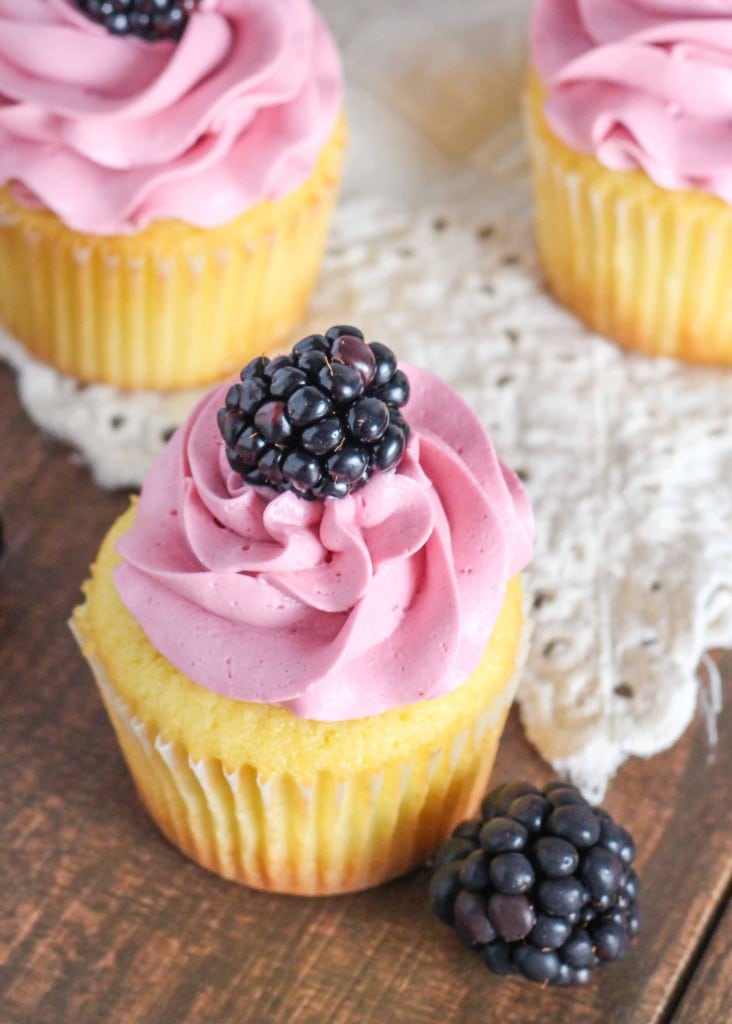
151 20
319 421
541 884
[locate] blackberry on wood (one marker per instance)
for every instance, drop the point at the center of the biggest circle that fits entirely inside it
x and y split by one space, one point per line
319 421
151 20
541 884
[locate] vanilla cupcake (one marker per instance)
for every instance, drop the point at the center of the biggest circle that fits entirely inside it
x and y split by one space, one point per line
166 182
630 124
306 630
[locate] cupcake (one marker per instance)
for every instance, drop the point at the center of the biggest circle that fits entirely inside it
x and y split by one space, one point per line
306 630
630 125
166 182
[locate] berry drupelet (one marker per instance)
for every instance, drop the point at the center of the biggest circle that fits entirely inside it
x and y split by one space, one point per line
319 421
151 20
541 884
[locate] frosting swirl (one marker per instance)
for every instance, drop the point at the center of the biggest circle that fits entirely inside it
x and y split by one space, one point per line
111 132
642 84
334 610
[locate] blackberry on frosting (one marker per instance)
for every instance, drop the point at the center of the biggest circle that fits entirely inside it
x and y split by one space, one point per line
319 421
151 20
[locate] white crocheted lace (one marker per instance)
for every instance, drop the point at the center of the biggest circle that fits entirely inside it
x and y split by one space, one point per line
118 434
627 460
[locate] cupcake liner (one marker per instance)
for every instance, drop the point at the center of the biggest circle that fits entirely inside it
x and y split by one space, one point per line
648 267
325 834
173 306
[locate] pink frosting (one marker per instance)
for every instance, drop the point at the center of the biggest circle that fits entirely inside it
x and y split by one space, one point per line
111 133
335 610
642 84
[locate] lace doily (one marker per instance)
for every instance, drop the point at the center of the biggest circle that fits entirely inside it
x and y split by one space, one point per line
118 434
627 461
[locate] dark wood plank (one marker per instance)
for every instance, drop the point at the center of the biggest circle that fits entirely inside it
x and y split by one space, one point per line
708 999
101 920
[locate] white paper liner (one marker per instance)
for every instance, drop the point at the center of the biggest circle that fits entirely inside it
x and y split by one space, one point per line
325 834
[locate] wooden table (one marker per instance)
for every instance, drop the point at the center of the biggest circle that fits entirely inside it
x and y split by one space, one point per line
101 922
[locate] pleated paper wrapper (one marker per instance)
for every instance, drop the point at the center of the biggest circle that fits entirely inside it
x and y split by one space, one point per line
326 834
649 268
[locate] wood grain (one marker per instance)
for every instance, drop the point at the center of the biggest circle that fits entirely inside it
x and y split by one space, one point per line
709 996
102 921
